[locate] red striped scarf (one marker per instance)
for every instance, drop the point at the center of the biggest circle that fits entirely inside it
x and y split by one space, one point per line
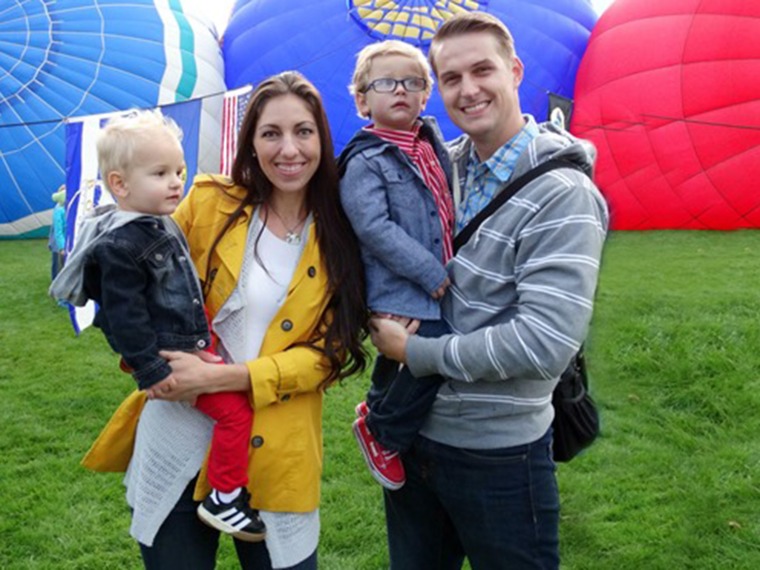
423 156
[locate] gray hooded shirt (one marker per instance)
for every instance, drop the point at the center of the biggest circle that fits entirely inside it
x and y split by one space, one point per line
519 304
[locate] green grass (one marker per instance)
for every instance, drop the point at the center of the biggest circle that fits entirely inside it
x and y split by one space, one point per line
672 483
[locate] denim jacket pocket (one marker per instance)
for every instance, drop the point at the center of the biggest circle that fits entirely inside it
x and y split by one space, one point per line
174 284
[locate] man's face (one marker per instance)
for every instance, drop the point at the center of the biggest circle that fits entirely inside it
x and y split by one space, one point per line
479 88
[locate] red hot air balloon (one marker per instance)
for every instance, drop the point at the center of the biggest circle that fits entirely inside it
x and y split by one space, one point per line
669 92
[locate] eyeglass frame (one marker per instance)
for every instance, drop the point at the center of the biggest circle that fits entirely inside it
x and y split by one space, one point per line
396 83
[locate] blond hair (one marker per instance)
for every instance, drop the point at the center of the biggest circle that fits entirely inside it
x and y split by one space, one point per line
360 79
118 140
473 23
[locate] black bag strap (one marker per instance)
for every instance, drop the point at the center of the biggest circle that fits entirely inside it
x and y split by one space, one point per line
513 188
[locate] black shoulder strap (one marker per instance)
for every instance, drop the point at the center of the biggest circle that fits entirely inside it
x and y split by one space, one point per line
503 196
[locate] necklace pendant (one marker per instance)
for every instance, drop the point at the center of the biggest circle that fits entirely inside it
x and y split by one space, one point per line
292 238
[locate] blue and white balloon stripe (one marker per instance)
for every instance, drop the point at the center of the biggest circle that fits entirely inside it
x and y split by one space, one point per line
68 58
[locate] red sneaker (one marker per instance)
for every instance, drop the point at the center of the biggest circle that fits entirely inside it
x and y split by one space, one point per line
384 465
361 409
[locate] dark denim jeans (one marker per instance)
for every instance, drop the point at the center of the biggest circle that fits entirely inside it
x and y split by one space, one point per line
497 507
185 543
399 402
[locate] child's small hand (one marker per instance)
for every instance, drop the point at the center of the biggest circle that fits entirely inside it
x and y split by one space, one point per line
438 293
161 388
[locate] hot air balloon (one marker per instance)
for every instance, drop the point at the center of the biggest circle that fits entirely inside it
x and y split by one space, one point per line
81 57
669 92
320 38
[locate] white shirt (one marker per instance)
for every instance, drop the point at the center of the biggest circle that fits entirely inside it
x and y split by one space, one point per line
266 287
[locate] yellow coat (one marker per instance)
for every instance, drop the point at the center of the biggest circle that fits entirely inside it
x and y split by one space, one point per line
285 462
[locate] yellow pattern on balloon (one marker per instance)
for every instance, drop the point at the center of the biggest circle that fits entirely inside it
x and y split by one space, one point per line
414 21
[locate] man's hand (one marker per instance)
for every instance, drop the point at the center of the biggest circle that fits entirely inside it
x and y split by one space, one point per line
411 325
390 337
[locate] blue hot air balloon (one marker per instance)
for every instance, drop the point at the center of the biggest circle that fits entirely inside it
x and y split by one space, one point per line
81 57
320 38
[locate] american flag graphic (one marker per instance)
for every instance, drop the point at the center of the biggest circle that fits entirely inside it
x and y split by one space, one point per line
233 111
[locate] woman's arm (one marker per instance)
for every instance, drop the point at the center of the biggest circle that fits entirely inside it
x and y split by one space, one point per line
201 373
269 379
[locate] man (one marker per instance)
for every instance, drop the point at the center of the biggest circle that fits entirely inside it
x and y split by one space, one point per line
480 478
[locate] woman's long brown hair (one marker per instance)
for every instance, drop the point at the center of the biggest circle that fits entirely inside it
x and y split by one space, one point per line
344 325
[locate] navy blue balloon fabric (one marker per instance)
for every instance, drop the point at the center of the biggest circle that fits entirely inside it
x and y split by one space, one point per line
320 38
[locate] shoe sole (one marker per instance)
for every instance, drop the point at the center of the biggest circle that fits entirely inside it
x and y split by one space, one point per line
388 484
221 526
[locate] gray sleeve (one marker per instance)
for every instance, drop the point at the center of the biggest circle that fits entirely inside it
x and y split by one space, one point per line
556 266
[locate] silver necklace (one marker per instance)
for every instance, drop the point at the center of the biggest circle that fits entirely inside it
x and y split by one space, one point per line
292 235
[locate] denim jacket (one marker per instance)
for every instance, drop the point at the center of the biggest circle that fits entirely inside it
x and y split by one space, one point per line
396 220
144 282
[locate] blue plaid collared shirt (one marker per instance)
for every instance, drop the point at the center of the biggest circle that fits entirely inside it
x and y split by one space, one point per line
485 178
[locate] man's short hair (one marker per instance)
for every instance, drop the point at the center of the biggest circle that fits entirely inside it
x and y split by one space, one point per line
121 135
471 23
364 58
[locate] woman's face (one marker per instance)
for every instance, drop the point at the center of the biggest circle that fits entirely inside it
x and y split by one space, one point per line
287 144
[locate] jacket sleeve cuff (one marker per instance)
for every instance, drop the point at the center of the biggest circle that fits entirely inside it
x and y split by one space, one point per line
439 276
423 355
151 374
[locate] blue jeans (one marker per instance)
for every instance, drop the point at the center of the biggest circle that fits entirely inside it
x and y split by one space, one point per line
497 507
185 543
399 402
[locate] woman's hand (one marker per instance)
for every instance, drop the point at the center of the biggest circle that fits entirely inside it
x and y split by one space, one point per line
389 337
192 374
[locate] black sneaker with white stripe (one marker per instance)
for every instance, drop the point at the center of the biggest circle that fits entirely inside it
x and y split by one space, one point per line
236 518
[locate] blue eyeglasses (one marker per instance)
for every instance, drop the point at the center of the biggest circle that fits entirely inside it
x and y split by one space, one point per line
389 85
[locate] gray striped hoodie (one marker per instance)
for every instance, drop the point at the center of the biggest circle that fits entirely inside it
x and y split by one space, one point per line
520 302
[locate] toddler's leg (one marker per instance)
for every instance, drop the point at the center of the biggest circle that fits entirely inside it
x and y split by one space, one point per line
228 459
228 508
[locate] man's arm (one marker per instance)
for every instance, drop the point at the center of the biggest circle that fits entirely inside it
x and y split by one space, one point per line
556 266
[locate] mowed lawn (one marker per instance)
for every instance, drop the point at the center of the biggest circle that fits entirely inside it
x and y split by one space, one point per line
673 483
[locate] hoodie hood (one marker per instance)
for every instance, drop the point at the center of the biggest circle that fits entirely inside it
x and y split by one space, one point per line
551 142
69 284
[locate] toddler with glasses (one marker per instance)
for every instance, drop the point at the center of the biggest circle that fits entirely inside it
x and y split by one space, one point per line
395 175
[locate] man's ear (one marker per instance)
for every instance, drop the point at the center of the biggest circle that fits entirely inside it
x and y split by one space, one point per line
518 69
117 184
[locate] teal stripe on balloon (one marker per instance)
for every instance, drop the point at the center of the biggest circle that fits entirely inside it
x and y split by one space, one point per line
189 76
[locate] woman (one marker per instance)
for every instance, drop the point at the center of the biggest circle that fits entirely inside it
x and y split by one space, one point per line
281 276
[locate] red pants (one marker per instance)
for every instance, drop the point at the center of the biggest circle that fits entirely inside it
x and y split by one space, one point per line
228 459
